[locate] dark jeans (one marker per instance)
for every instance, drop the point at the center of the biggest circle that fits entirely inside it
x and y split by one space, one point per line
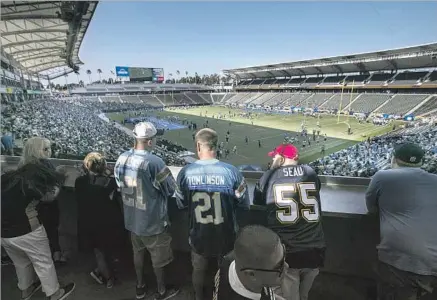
395 284
48 214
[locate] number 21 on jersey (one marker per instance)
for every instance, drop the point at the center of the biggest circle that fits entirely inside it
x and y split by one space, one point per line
288 212
207 212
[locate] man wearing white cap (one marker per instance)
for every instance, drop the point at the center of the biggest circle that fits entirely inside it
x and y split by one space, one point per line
146 183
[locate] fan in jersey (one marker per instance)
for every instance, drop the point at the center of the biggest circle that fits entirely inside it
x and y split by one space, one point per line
215 192
256 265
290 194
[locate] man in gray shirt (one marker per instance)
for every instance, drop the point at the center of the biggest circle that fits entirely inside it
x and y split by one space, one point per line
406 198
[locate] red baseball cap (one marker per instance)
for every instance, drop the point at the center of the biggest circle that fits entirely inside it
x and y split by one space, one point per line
287 151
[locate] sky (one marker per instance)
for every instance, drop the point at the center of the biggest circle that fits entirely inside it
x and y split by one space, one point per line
207 37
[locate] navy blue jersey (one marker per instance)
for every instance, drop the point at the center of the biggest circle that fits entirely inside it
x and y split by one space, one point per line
213 191
291 195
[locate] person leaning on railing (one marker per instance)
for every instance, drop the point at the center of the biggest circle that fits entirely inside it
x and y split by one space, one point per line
22 234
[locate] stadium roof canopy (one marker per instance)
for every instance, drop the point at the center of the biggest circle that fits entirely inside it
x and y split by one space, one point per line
44 37
416 57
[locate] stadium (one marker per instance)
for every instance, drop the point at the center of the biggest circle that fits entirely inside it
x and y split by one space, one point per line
331 108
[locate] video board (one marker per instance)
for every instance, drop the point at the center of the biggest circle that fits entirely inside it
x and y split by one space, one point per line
141 74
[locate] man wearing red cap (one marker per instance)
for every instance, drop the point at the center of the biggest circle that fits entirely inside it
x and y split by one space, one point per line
291 194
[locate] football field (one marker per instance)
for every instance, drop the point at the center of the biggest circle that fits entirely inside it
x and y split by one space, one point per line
270 129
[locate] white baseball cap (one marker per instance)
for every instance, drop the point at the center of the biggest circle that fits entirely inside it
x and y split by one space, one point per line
145 130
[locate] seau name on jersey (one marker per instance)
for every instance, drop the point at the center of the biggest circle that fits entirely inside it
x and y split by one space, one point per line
293 171
206 180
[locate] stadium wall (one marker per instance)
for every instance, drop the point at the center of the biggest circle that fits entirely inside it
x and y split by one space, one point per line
351 234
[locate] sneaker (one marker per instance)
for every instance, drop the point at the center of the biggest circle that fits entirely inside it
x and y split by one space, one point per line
65 291
141 292
170 292
97 277
110 283
32 290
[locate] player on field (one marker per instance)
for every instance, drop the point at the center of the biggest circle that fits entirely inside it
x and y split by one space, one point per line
290 193
215 192
146 183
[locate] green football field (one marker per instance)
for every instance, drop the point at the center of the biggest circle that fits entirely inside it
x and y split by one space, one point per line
269 129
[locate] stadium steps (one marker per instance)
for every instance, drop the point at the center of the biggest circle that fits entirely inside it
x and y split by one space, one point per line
326 101
252 98
189 98
346 108
100 100
383 104
159 100
420 104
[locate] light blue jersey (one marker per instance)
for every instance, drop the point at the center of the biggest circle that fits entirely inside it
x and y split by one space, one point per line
145 183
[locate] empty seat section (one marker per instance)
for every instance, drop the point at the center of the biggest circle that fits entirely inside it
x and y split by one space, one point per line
195 98
238 98
257 81
432 79
217 98
401 104
181 99
227 97
282 81
270 81
312 81
316 100
367 103
110 99
339 102
263 98
296 81
356 79
333 80
206 97
130 99
428 106
380 79
150 100
167 99
409 78
278 99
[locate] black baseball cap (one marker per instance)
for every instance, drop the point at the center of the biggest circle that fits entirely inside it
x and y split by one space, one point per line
409 153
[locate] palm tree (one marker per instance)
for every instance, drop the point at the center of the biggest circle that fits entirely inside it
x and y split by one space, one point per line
99 71
178 73
89 74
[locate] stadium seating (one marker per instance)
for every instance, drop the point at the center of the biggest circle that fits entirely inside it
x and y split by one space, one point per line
109 98
130 99
402 104
312 82
338 101
217 98
432 79
332 80
356 79
150 100
316 100
227 97
408 78
380 78
366 103
428 106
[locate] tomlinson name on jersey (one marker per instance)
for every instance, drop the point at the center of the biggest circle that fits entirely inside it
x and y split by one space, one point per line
206 180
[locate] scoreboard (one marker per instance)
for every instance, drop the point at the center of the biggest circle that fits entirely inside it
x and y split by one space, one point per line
141 74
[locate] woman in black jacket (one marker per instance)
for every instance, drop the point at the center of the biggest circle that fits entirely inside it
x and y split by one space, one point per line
100 221
38 149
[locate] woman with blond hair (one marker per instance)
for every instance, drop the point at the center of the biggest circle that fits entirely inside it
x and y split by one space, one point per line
100 221
38 150
22 234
